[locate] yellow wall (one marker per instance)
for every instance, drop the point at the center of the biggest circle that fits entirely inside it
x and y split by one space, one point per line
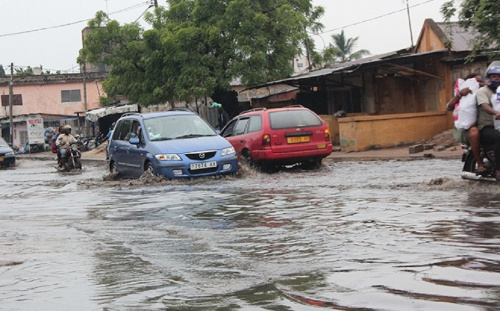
364 132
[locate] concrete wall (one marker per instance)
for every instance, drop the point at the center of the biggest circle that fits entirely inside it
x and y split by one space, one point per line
365 132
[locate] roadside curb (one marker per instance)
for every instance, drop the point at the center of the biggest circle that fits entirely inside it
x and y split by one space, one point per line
396 154
44 157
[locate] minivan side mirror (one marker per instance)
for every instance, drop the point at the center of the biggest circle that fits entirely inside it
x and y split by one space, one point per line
134 141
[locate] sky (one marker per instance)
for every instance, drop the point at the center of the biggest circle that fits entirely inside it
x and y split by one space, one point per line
48 33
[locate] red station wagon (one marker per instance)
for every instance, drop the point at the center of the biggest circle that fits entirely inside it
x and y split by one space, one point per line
281 136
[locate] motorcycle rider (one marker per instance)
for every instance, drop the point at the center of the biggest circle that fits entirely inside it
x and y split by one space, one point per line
471 136
63 141
486 113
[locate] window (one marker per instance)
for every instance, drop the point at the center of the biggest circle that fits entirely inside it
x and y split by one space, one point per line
255 124
240 126
228 130
71 96
17 100
293 118
122 130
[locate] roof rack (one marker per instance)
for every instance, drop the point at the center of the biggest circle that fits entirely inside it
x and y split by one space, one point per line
181 109
130 114
254 109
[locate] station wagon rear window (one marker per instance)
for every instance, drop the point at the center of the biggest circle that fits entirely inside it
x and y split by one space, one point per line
293 118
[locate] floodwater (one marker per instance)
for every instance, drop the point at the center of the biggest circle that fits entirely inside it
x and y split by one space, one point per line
388 235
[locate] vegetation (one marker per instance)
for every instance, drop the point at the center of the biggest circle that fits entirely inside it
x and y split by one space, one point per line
23 72
479 15
2 72
195 48
342 50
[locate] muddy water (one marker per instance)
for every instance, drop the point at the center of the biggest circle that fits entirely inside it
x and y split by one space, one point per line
350 236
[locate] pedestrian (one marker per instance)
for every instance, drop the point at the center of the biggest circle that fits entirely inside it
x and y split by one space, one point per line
223 118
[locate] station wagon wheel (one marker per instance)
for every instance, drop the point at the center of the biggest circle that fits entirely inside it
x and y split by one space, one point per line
246 158
311 164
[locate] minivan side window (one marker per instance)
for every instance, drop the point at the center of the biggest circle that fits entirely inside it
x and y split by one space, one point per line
136 131
255 124
240 126
122 129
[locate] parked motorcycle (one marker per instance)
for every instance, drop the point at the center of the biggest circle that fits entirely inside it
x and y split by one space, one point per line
93 142
72 160
470 163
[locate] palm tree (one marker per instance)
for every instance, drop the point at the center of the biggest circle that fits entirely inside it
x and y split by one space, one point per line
342 49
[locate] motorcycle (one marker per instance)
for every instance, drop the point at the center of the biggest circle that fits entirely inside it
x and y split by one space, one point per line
470 164
93 142
72 160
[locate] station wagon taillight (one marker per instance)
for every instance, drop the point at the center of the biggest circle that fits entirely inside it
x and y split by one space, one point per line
266 140
327 135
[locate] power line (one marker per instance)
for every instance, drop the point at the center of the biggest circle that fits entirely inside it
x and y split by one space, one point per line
374 18
72 23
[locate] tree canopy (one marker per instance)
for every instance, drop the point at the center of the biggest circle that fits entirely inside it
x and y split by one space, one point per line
479 15
342 49
195 48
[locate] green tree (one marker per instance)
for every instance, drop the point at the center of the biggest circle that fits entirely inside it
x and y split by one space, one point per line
195 48
23 72
2 72
342 49
480 16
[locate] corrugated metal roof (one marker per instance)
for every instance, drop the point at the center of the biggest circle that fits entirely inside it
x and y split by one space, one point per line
352 66
461 37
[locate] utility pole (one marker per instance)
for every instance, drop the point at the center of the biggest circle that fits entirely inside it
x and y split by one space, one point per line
409 22
85 93
11 98
156 3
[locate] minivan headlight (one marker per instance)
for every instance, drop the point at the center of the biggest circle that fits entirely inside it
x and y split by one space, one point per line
10 153
227 151
168 157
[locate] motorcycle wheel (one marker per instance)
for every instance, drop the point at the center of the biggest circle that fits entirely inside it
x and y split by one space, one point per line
67 166
78 163
470 165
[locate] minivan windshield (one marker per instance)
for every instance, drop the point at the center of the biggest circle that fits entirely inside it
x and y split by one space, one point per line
177 127
3 143
293 118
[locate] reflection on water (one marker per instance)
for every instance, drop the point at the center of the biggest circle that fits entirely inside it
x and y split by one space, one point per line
351 236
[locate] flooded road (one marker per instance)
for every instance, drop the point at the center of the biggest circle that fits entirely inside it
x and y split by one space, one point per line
393 235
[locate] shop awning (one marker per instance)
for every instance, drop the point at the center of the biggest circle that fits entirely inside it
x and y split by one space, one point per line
96 114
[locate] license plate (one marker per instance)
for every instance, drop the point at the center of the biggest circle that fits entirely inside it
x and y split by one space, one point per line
298 139
202 165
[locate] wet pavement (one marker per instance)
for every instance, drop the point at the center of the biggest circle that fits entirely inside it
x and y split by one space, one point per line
377 235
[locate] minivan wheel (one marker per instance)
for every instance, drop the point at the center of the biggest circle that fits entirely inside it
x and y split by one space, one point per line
149 169
112 168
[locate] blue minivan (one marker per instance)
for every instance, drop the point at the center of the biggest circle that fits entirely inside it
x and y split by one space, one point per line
174 143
